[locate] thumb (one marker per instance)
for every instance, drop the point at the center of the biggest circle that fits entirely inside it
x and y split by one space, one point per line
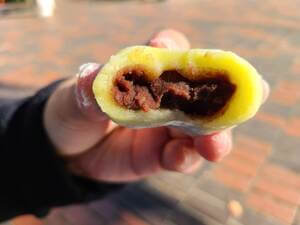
84 95
72 118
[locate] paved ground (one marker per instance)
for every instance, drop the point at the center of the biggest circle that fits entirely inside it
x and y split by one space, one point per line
262 173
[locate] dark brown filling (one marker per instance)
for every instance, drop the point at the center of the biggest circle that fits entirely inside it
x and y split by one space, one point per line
204 97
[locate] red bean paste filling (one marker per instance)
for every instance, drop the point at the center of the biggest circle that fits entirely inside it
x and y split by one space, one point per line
203 97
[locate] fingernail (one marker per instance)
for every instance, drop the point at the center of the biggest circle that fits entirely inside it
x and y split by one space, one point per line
87 69
219 137
82 98
82 90
266 90
223 139
188 159
165 42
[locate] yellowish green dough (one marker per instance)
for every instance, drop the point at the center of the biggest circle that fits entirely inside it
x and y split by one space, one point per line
243 105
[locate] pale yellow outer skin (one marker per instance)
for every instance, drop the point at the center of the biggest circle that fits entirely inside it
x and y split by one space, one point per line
242 106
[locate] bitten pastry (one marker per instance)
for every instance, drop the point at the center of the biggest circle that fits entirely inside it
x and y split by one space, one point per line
199 90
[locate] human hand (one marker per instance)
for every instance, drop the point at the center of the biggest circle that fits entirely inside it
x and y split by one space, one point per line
97 148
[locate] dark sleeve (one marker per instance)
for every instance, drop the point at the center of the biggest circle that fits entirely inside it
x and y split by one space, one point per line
33 177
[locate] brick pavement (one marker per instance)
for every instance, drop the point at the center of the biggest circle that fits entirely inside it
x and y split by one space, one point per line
262 173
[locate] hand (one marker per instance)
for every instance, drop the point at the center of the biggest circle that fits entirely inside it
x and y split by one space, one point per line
97 148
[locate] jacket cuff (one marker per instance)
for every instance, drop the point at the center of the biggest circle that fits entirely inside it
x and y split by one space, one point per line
39 176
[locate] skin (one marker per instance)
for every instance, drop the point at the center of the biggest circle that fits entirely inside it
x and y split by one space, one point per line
94 147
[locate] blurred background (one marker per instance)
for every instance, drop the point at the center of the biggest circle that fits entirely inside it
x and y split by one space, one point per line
259 183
